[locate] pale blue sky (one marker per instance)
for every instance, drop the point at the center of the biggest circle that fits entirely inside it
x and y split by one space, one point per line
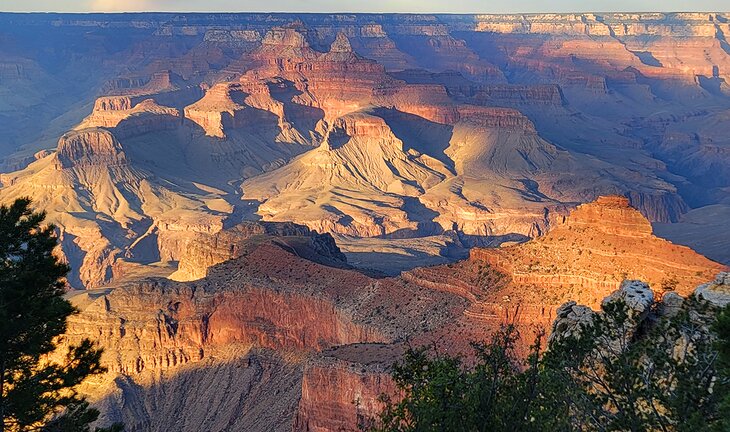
458 6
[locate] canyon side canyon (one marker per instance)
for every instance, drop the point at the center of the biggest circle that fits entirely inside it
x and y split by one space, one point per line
261 211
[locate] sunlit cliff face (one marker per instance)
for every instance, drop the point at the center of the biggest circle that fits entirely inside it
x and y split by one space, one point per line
593 250
491 127
287 311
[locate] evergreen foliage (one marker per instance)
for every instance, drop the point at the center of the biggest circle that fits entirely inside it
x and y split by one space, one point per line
663 371
37 393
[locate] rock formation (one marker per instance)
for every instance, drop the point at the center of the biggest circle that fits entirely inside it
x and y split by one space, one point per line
716 292
490 127
576 255
643 314
269 309
206 250
286 310
572 319
93 147
360 179
218 110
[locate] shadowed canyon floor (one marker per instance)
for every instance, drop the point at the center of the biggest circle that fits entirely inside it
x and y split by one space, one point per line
468 130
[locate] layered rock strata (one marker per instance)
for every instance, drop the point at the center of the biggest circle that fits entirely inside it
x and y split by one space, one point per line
493 126
575 255
335 331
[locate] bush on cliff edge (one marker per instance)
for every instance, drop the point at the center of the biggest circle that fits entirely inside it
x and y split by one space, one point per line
619 371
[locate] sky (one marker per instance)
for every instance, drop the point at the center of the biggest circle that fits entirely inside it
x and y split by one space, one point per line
442 6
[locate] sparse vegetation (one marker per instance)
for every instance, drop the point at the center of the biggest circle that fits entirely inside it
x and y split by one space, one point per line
669 284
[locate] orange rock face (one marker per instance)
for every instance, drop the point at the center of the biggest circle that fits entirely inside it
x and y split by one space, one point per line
158 325
342 388
595 248
343 329
612 215
148 336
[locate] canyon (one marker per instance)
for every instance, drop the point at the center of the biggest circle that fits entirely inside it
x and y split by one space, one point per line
273 311
261 212
469 130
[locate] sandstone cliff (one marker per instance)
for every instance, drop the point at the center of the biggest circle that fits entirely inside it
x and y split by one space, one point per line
159 335
595 248
206 250
493 126
286 311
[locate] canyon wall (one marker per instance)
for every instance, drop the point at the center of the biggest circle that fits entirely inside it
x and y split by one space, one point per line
285 310
397 126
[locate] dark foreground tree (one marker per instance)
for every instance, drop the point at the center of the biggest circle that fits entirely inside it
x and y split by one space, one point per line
499 391
35 392
625 374
722 329
657 370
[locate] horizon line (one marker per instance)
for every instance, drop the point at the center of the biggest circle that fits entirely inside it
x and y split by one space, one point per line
361 13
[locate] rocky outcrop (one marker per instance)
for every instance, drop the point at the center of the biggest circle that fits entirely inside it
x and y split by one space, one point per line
496 118
432 44
644 316
665 207
341 389
89 147
130 118
570 320
612 215
141 105
337 81
221 107
635 294
429 101
517 94
232 36
207 250
716 292
185 323
619 24
594 249
336 377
